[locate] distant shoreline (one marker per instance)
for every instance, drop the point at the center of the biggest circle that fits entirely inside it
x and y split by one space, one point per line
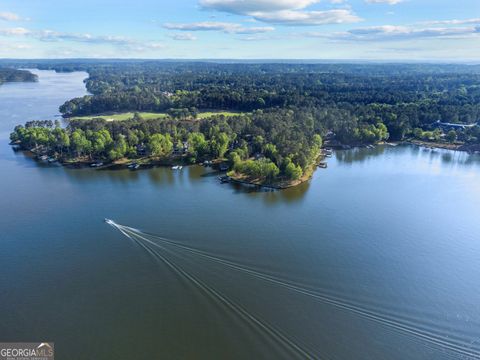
444 146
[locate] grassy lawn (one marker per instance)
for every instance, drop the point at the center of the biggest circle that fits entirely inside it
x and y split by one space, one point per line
150 115
122 116
207 114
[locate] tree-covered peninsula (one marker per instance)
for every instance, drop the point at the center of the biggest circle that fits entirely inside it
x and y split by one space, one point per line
266 120
14 75
264 147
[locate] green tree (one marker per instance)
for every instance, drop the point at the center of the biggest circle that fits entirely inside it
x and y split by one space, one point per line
270 151
101 141
418 133
62 139
119 149
219 145
451 136
292 171
198 146
81 145
160 145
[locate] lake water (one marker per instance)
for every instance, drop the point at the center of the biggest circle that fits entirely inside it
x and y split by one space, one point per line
377 257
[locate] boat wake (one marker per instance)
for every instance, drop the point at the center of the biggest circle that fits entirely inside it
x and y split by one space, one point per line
159 247
291 346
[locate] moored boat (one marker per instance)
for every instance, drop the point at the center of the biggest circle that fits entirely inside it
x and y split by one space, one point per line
224 179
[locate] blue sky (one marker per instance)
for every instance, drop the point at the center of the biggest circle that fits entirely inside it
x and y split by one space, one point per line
242 29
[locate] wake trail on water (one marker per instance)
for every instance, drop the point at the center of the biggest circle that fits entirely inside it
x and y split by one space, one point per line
252 320
459 346
423 334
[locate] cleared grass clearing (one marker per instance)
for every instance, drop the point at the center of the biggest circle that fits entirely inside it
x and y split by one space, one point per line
207 114
122 116
150 115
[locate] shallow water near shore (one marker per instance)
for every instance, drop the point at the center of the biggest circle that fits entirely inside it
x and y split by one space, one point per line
377 257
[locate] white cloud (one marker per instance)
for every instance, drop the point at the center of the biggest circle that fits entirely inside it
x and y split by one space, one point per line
183 37
453 22
230 28
54 36
155 45
49 35
142 47
392 33
337 1
255 38
390 2
16 46
284 12
8 16
245 7
14 31
305 18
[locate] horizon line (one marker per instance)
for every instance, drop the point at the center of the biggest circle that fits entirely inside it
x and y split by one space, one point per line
261 60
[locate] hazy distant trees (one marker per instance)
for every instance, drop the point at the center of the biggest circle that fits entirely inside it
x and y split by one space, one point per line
14 75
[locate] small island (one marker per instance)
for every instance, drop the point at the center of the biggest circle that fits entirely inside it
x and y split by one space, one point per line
14 75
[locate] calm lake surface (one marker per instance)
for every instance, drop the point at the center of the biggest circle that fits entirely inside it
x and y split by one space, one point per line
378 257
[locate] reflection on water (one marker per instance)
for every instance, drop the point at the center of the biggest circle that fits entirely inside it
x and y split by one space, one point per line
358 154
413 156
362 154
274 197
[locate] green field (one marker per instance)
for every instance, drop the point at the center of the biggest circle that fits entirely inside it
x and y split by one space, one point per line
122 116
150 115
207 114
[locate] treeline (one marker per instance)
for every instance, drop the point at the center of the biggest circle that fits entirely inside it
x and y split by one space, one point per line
13 75
402 97
470 136
266 144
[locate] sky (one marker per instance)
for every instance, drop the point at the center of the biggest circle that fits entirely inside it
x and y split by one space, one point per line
410 30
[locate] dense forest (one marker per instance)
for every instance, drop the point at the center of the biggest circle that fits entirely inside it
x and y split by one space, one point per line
266 144
12 75
402 97
286 110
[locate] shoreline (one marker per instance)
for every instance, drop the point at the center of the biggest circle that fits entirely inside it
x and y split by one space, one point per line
281 184
444 146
